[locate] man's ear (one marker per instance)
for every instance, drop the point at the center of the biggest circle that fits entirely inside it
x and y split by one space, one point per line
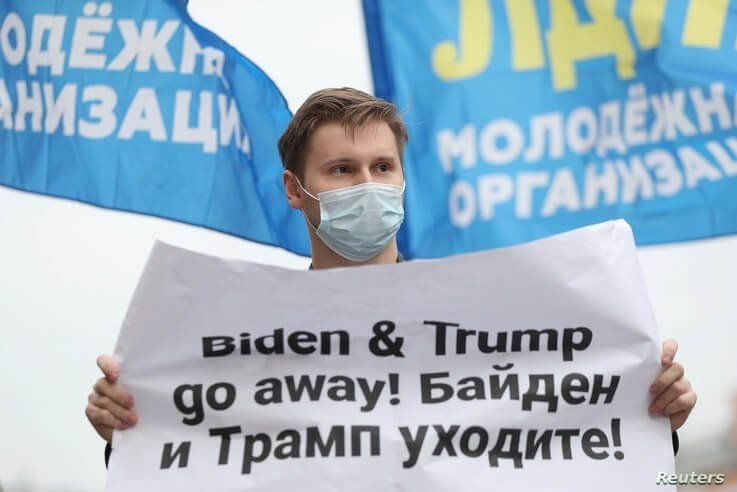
294 193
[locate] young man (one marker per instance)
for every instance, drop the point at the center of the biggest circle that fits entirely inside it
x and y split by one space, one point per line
342 154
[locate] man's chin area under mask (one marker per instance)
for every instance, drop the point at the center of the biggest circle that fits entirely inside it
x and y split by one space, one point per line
325 257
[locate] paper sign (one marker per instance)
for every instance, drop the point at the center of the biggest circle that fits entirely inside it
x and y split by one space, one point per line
525 368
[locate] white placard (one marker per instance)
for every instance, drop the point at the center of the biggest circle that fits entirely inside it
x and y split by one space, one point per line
524 368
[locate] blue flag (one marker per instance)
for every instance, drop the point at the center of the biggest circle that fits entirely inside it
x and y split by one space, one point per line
133 106
532 117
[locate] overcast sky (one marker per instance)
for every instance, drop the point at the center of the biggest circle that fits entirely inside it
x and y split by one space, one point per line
69 269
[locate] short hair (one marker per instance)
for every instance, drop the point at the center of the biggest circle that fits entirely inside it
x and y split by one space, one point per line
350 107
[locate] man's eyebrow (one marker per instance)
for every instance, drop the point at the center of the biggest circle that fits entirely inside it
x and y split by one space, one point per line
348 160
339 160
386 158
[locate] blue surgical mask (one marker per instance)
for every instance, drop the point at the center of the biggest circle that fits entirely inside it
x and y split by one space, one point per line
358 222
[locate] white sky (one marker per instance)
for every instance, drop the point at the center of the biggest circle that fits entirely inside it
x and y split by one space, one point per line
68 269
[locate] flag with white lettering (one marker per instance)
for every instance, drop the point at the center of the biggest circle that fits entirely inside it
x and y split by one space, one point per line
531 117
134 106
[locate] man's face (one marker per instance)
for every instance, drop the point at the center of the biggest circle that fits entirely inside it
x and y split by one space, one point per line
336 159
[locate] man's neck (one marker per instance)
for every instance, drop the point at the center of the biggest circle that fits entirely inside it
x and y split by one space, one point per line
324 257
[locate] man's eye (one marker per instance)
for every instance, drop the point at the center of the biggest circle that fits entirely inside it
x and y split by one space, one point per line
384 167
340 169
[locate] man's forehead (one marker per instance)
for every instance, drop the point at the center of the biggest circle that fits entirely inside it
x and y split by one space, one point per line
331 138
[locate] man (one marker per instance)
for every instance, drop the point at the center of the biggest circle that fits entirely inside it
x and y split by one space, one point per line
342 154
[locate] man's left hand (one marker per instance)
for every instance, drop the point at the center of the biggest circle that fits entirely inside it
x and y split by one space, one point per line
671 391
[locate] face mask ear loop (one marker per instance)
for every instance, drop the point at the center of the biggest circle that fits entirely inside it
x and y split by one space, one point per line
311 196
303 189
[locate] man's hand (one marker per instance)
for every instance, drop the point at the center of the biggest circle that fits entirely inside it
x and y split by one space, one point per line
672 393
109 405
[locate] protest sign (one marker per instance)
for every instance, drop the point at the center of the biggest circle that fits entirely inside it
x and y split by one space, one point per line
524 368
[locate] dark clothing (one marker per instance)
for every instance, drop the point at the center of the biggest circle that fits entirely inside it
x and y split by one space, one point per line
400 259
674 435
108 448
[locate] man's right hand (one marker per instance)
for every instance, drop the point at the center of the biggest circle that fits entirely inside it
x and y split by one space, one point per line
110 405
